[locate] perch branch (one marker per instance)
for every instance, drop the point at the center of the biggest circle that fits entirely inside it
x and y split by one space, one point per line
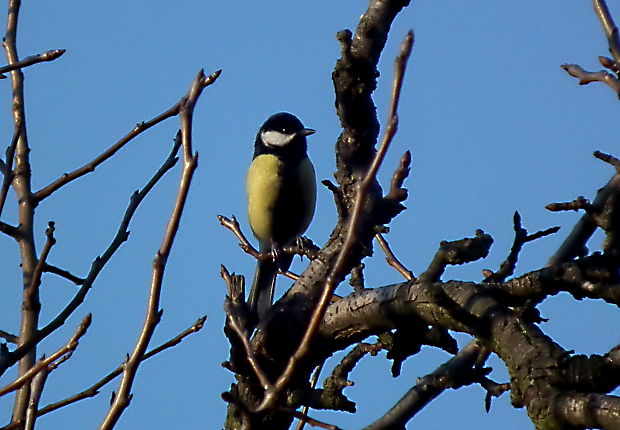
333 278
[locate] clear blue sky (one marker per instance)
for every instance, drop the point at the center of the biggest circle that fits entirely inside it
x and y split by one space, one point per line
494 125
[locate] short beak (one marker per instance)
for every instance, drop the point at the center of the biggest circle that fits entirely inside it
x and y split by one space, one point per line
306 132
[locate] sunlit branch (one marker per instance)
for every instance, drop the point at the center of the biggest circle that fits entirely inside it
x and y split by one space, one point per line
153 315
33 59
334 277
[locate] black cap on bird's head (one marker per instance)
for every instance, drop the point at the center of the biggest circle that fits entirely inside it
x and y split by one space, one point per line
282 134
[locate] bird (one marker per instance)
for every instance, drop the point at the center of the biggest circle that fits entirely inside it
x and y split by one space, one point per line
281 199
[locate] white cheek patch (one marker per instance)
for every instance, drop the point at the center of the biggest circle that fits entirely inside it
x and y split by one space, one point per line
276 138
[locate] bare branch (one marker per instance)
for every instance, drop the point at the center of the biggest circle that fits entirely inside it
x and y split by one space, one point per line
236 323
33 59
233 225
11 231
93 390
428 388
392 260
96 267
575 244
304 410
10 338
153 316
335 275
36 389
591 410
63 274
609 159
49 243
457 252
522 237
21 183
8 173
90 166
585 77
47 361
305 418
611 31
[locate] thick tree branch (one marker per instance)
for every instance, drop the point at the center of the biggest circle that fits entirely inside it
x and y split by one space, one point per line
21 183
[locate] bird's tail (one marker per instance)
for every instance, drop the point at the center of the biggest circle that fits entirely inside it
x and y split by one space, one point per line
264 284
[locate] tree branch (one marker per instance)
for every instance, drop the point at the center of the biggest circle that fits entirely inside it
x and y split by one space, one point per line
98 264
90 166
153 316
33 59
47 361
337 272
21 183
93 390
429 387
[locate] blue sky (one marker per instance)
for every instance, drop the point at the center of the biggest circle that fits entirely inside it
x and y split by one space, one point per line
494 125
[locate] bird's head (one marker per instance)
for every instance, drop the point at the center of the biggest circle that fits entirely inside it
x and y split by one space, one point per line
282 133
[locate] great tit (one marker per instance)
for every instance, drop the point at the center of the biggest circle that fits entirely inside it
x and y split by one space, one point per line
281 190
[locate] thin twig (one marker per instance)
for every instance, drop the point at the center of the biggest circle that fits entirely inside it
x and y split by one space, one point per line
233 225
90 166
313 381
49 243
153 316
48 268
574 244
11 231
428 388
585 77
9 175
241 333
10 338
392 260
305 418
93 390
96 267
508 266
46 361
33 59
335 274
609 159
36 389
